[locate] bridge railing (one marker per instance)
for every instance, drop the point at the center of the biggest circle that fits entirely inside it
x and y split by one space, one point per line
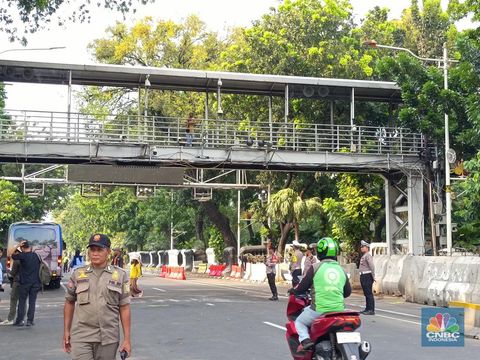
210 133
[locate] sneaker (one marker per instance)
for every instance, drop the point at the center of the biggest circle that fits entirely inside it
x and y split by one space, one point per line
305 345
273 298
30 323
19 323
6 322
369 312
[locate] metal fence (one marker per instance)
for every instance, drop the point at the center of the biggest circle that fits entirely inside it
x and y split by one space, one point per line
62 127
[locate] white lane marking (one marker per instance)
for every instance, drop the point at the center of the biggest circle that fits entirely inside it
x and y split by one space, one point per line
161 290
389 311
174 300
251 290
275 325
210 304
397 319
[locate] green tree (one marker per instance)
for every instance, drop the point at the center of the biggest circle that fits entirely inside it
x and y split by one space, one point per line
36 14
289 209
216 242
138 224
13 206
186 45
352 213
466 207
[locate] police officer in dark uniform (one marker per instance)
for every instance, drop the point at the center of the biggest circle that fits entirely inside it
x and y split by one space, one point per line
99 297
367 278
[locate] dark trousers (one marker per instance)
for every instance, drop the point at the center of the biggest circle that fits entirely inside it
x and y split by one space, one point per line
366 280
29 291
271 283
295 275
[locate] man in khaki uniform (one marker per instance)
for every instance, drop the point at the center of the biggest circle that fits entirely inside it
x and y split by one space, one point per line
102 296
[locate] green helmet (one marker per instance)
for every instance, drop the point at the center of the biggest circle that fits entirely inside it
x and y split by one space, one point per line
327 247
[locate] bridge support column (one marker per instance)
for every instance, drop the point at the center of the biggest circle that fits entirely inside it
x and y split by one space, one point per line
416 233
404 222
392 222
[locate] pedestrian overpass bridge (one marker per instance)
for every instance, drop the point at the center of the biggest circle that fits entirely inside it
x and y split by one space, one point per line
73 138
143 140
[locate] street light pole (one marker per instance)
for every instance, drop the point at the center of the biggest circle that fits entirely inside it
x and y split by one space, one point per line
448 190
445 61
145 110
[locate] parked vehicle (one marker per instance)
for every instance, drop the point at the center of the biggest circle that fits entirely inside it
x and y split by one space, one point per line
45 239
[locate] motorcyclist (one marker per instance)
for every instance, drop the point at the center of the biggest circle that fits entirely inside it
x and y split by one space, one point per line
329 286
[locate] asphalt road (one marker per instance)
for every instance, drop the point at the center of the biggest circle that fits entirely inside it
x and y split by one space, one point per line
205 319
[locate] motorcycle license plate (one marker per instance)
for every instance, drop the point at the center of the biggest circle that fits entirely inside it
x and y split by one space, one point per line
348 337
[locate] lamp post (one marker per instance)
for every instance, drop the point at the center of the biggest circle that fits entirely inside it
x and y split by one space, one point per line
145 110
444 61
33 49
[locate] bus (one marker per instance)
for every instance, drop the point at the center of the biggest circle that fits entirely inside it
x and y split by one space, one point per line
45 239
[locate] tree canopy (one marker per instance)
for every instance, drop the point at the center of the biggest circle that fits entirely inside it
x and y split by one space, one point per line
36 14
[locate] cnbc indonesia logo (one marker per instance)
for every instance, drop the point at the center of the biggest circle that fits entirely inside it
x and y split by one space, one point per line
443 330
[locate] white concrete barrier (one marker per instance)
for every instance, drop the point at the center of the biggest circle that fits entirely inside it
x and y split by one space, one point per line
381 263
173 257
150 264
353 275
413 268
471 317
393 274
378 248
464 275
159 265
248 271
211 260
132 255
283 272
259 272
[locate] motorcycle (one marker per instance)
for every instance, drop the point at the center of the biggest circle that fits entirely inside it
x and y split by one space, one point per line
333 334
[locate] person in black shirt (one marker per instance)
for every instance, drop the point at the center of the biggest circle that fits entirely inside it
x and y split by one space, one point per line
30 283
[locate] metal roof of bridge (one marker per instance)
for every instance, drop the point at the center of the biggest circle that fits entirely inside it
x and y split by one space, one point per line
196 80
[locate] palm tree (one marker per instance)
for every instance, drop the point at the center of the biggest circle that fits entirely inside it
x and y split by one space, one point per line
289 209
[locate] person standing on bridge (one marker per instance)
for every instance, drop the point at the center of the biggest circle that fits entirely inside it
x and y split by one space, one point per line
367 278
190 128
102 298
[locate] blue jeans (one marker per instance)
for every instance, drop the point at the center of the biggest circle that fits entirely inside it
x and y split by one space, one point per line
303 322
189 139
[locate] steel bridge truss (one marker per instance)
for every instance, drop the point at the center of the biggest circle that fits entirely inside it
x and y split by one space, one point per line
196 179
